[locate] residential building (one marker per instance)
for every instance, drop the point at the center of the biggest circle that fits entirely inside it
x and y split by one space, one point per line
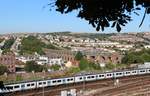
9 61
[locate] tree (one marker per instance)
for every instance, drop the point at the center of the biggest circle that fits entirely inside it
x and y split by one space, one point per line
103 13
33 66
145 57
3 69
79 56
110 65
55 67
83 64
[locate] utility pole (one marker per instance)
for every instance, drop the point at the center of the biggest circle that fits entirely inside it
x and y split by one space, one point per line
83 89
43 80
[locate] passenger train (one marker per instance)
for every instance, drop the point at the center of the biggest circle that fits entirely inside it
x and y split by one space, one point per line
73 79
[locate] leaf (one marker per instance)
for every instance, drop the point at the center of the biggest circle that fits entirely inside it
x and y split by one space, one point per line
113 25
138 8
118 27
97 28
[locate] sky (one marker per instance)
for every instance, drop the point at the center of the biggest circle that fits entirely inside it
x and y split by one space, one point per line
34 16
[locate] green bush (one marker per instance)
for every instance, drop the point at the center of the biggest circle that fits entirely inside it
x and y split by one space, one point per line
79 56
55 67
3 69
33 66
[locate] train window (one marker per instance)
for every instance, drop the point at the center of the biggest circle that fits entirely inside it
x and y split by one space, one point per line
92 76
9 87
54 81
134 72
40 83
59 81
80 78
16 86
32 84
88 77
28 85
127 72
44 82
118 73
108 74
142 71
101 75
69 79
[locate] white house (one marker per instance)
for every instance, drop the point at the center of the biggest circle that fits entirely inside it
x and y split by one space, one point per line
42 60
57 61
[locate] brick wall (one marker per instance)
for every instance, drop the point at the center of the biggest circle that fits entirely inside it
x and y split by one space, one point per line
9 61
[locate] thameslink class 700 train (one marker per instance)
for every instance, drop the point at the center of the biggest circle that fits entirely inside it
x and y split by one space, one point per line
75 79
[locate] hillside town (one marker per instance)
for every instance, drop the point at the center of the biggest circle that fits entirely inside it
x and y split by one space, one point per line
68 52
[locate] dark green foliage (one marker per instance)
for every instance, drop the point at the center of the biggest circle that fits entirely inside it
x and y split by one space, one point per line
31 45
7 45
110 66
86 65
3 69
33 66
79 56
51 46
103 13
94 66
1 40
137 57
55 67
83 64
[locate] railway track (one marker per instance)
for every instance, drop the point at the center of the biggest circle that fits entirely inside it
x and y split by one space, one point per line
135 88
106 85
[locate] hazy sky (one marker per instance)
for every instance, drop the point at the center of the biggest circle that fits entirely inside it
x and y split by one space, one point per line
30 16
